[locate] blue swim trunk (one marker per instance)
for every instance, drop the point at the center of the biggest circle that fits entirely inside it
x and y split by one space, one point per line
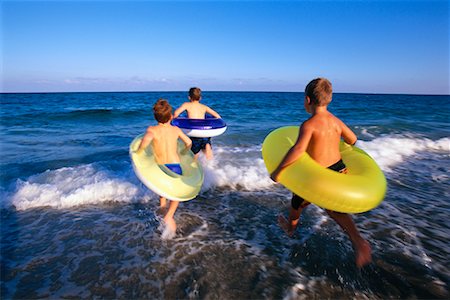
199 144
176 168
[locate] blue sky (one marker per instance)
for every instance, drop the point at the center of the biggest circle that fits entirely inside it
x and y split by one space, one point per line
361 46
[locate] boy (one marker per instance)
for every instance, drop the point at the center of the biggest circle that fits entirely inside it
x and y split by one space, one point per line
319 136
165 138
196 110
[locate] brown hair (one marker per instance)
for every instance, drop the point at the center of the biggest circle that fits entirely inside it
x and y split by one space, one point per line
195 93
162 111
319 91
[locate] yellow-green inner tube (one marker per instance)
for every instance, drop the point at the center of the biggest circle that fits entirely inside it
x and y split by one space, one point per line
361 189
161 179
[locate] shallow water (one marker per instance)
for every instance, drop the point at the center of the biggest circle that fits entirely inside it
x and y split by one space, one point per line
76 222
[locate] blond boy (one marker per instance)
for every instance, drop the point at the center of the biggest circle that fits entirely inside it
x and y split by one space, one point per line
319 136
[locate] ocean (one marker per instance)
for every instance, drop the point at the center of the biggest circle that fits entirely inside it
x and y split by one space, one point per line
77 223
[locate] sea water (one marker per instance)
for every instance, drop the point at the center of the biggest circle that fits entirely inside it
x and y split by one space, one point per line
77 223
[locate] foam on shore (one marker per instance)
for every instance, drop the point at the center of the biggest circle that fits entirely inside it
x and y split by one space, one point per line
233 168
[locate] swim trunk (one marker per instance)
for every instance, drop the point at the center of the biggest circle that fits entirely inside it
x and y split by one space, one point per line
176 168
298 201
199 144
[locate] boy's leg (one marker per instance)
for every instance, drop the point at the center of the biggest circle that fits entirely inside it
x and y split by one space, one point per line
168 218
208 152
162 202
289 225
362 247
295 211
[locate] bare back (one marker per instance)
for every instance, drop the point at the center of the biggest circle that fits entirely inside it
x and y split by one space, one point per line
165 142
322 133
326 133
319 136
195 110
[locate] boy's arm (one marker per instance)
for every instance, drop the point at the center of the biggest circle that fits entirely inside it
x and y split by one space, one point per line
295 152
179 110
146 140
186 140
212 112
347 134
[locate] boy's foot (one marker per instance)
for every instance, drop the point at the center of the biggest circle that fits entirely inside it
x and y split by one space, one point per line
363 254
286 225
170 223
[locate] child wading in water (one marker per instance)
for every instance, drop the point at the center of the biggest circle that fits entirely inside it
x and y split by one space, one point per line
196 110
319 136
164 138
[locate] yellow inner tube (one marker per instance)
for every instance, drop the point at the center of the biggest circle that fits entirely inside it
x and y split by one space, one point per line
361 189
161 179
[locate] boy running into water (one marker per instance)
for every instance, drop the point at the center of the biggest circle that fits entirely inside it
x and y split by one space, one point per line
164 138
319 136
196 110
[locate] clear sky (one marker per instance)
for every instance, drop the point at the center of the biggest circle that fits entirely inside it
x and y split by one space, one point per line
361 46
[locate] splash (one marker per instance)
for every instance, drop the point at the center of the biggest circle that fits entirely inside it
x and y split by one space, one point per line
389 151
69 187
233 168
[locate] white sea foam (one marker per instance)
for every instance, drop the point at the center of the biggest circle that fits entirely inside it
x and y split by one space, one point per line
248 174
244 168
232 168
389 151
167 233
68 187
248 149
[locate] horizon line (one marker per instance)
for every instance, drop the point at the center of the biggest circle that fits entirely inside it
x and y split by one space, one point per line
219 91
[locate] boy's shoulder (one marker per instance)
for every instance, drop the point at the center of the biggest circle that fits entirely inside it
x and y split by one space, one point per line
196 104
308 124
203 105
320 121
315 119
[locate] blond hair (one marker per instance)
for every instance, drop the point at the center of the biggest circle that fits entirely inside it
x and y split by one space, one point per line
319 91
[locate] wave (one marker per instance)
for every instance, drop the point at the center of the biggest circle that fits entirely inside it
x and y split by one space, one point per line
233 168
251 175
97 114
74 186
72 115
388 151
